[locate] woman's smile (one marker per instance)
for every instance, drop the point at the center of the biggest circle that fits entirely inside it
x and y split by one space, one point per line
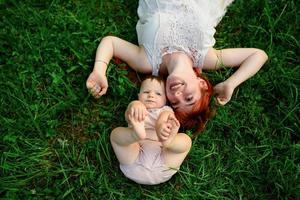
174 83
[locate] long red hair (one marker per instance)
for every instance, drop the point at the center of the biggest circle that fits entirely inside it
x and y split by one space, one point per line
201 110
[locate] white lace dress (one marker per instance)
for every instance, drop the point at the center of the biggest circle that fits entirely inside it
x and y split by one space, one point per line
167 26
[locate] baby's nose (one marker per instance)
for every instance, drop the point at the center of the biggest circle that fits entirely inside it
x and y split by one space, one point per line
151 94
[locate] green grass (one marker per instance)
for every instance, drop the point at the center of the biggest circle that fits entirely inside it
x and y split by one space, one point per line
55 136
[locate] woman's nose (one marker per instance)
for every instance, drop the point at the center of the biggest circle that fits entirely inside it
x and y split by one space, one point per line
178 93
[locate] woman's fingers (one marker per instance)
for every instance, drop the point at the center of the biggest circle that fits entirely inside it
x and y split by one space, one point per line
221 101
102 91
96 90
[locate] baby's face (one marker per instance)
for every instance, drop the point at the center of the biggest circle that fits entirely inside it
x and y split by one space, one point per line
152 93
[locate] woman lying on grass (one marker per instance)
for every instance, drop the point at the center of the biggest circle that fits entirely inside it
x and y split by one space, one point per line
150 151
176 41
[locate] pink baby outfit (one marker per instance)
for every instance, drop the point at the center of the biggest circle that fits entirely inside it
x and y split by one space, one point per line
149 168
167 26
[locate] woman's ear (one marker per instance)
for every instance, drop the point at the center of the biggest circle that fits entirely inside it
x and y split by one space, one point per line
203 84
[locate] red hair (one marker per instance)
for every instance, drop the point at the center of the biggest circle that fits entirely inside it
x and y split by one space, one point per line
201 110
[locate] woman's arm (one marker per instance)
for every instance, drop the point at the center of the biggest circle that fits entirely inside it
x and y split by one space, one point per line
249 61
109 47
133 55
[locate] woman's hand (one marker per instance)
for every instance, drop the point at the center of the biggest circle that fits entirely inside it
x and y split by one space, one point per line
247 60
97 84
223 91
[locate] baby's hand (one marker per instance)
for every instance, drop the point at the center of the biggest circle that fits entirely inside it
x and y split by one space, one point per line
138 127
164 131
174 122
168 130
223 92
97 84
137 110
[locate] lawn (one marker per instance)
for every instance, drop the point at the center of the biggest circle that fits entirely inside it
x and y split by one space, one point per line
55 136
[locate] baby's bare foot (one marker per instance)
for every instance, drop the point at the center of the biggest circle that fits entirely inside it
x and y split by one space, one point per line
138 127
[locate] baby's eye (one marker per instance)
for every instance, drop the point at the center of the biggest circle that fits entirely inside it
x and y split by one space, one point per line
158 93
146 92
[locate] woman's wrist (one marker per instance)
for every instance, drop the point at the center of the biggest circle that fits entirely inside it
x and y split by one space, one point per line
230 83
101 61
100 66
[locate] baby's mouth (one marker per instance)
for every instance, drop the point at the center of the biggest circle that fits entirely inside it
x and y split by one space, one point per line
149 101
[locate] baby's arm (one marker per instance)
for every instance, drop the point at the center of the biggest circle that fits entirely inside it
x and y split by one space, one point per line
167 127
249 61
109 47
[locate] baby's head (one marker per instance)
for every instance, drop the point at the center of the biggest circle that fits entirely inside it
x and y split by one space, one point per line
152 92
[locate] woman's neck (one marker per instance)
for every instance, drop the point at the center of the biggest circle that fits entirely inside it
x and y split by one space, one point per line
177 63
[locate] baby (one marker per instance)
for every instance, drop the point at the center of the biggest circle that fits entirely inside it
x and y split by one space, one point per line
150 150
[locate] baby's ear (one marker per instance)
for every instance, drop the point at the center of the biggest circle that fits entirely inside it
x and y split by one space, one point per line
203 84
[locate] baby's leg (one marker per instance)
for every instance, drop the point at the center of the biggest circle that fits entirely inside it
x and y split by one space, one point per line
177 150
125 141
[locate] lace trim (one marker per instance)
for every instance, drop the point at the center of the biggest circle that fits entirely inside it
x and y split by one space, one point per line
178 35
190 30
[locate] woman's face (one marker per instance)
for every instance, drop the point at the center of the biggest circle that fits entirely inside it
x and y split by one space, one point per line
184 92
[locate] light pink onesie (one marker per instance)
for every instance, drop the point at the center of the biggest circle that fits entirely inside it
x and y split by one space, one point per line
149 168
